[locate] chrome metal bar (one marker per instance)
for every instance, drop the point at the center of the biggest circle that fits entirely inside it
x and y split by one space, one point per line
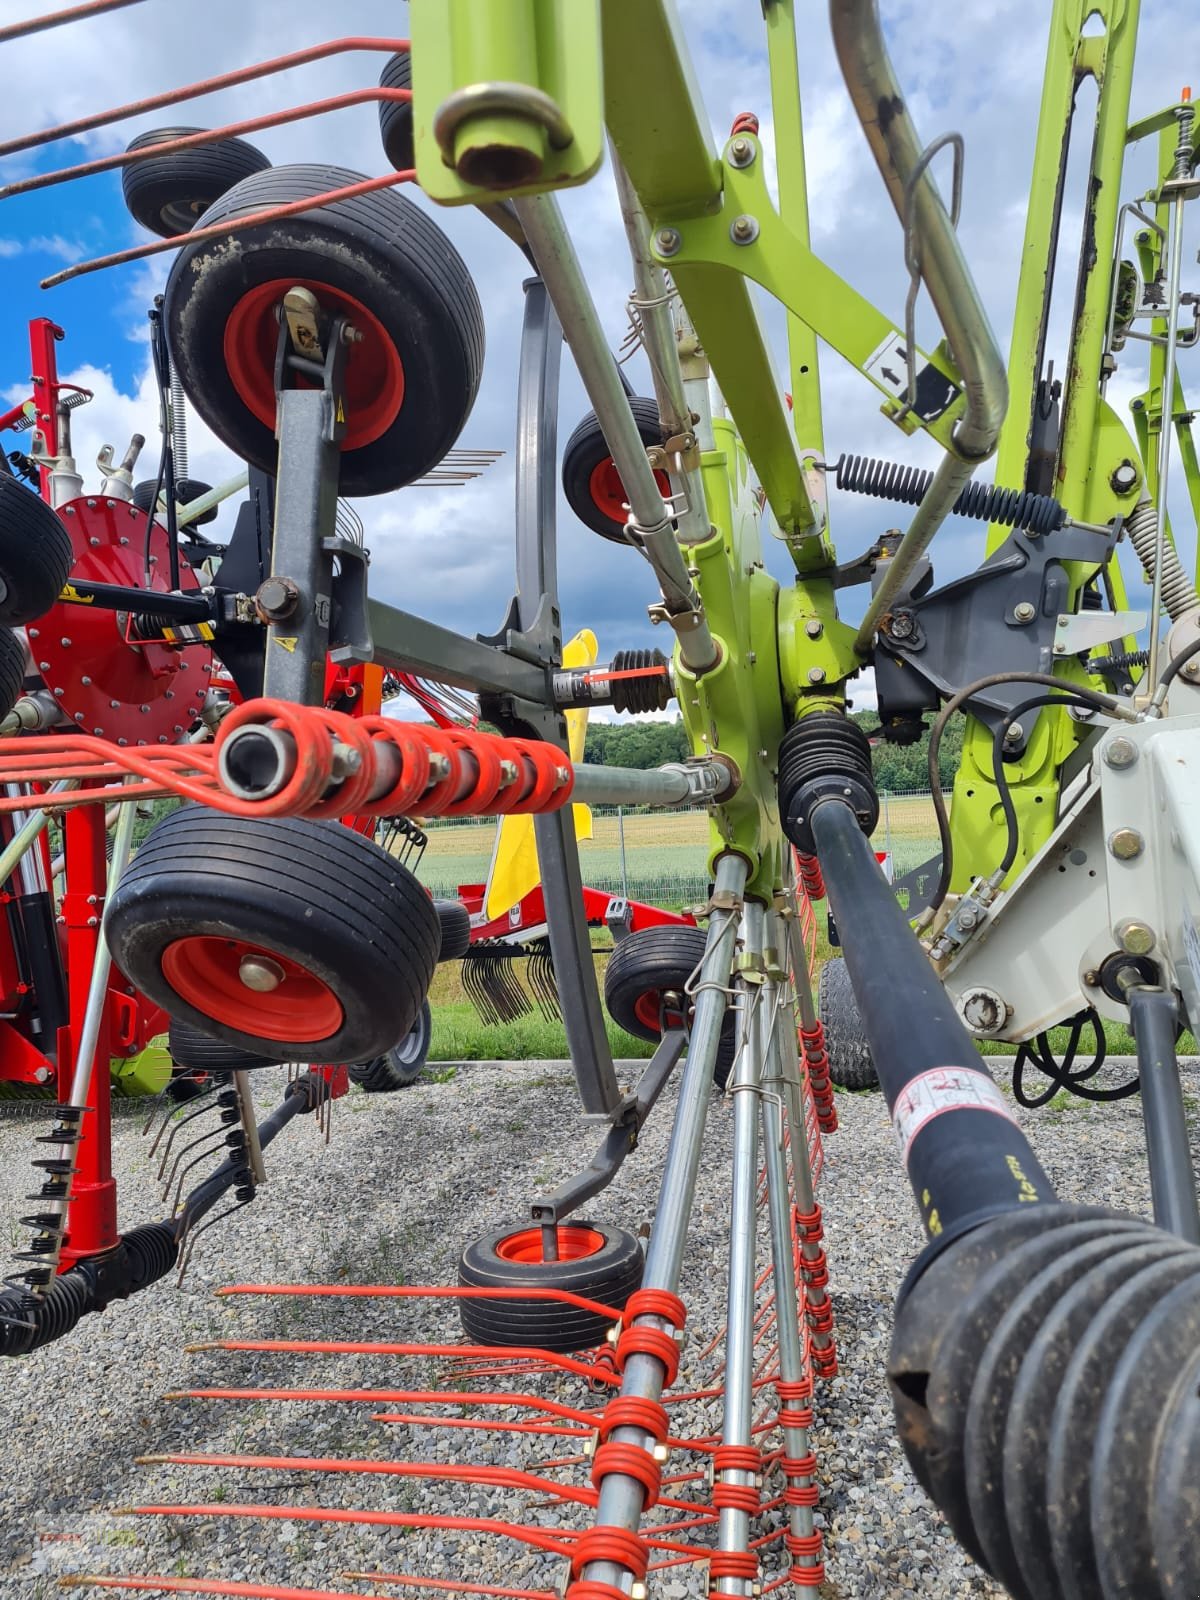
205 502
621 1497
873 86
657 786
652 299
733 1525
650 517
778 1086
15 850
949 480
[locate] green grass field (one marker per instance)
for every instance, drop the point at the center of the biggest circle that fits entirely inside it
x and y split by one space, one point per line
666 864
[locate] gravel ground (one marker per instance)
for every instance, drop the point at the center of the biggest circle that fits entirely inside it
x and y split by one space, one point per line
405 1182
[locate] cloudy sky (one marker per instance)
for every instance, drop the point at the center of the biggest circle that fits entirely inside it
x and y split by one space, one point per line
447 553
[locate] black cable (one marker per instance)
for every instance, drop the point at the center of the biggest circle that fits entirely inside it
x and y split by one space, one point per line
166 463
1091 697
999 776
1040 1054
1177 666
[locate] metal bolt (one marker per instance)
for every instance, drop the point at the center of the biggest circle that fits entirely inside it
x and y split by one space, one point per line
762 754
66 643
58 692
743 229
1024 611
741 152
1091 977
562 776
751 657
79 716
968 918
816 674
260 973
1120 753
1014 734
351 334
1191 670
1135 938
32 632
85 681
1124 478
43 666
508 772
94 542
814 628
667 241
1126 844
143 709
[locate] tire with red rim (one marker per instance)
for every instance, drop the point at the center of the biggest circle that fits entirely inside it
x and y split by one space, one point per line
645 981
377 259
296 940
598 1263
169 193
590 479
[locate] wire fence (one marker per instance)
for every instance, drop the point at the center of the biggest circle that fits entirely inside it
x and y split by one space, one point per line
657 856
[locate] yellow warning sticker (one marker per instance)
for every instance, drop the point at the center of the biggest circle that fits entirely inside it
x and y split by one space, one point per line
72 594
288 644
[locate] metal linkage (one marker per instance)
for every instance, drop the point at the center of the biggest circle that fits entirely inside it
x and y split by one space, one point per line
650 519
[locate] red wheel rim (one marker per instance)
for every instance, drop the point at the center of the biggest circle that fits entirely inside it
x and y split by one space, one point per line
647 1008
374 371
574 1243
205 970
608 492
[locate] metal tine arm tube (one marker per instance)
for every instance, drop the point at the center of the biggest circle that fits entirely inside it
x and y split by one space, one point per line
29 831
193 91
559 268
781 1109
733 1527
872 83
1154 1018
89 1033
653 302
621 1496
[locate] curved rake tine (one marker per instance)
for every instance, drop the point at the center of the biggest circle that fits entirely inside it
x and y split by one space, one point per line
203 86
191 1116
57 19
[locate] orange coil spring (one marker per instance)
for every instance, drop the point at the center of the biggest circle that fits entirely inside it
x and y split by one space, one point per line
399 767
811 880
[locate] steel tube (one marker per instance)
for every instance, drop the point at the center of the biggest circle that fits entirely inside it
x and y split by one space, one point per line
949 480
658 337
733 1524
205 502
1154 1017
34 825
872 83
620 1502
85 1054
965 1156
560 270
779 1090
657 786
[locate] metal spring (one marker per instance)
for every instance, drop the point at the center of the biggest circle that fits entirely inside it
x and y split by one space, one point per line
891 480
1106 666
1178 591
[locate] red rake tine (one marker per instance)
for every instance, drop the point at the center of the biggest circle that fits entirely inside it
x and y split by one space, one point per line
222 230
348 1347
58 19
430 1397
202 86
449 1584
194 141
225 1589
538 1538
392 1291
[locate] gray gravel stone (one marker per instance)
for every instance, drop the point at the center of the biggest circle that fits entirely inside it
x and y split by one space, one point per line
405 1182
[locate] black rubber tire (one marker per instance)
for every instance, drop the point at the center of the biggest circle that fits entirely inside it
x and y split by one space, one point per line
191 1047
850 1063
396 116
610 1275
169 193
186 489
314 893
655 961
586 450
403 1064
12 670
379 249
455 921
35 554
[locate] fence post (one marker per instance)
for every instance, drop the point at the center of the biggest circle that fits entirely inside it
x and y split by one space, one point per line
621 839
887 824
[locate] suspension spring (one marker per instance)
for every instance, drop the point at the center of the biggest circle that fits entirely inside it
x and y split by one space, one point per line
986 502
1178 591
